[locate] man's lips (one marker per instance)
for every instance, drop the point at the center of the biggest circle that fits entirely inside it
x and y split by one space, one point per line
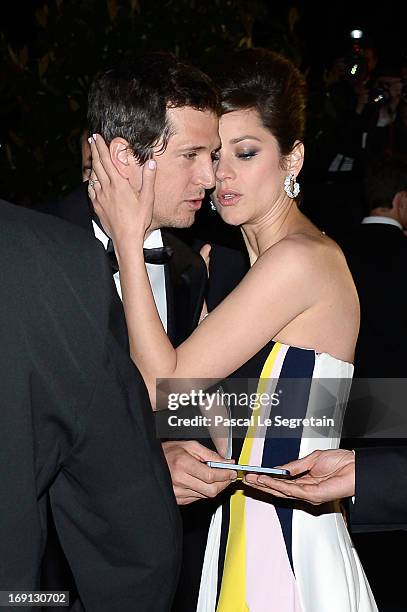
228 197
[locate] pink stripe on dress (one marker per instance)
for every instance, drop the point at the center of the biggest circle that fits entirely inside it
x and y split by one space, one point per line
270 586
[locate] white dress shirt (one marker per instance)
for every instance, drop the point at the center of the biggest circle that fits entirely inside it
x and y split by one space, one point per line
379 219
155 272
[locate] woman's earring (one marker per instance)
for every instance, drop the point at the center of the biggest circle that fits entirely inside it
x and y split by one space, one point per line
213 207
291 187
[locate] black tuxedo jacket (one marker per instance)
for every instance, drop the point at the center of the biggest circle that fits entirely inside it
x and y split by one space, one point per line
76 424
229 260
185 273
381 490
377 257
185 278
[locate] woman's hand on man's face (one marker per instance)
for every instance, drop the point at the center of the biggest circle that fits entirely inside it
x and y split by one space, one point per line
123 212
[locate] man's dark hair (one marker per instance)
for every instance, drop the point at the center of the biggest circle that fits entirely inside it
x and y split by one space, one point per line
385 176
131 100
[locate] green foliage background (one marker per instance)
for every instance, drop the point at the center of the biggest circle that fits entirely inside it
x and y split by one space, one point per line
44 84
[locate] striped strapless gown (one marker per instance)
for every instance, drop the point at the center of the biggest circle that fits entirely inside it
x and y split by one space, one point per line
266 554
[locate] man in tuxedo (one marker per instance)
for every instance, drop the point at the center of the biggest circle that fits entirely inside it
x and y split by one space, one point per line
154 106
377 256
77 428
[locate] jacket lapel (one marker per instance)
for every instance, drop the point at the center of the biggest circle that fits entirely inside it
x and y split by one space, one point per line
185 284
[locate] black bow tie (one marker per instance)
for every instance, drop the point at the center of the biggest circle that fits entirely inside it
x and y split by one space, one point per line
158 256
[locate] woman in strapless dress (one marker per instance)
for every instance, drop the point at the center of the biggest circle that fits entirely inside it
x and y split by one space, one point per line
291 324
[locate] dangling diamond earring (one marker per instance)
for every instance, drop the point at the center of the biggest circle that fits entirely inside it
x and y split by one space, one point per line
213 207
291 187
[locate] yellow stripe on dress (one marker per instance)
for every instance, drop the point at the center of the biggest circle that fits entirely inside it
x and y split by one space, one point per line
233 588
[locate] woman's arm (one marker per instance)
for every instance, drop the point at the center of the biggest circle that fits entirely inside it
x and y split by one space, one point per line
280 286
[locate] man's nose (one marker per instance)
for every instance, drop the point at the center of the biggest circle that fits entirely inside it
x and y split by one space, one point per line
207 176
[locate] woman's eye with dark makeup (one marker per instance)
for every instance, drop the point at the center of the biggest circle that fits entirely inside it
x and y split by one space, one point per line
246 154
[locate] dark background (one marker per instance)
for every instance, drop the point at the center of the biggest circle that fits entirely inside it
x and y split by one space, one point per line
51 50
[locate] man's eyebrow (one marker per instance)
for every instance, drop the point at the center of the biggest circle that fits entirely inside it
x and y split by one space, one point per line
245 137
192 147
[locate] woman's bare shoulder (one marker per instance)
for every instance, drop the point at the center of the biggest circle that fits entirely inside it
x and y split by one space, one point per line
311 262
308 251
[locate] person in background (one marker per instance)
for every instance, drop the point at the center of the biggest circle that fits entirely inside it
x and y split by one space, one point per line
86 155
376 253
381 110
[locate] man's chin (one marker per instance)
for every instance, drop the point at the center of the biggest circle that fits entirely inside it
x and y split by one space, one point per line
183 222
180 220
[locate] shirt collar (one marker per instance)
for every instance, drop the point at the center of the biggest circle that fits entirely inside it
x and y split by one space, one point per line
154 239
379 219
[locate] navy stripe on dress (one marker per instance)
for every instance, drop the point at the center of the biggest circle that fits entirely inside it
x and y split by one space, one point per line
299 365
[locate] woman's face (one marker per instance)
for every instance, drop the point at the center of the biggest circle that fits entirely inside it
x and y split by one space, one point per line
249 177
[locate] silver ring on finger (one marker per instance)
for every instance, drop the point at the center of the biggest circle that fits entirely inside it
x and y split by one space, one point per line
92 182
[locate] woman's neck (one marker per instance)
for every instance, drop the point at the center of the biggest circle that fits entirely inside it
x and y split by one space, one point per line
267 231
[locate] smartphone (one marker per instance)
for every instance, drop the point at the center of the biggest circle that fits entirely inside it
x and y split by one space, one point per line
254 469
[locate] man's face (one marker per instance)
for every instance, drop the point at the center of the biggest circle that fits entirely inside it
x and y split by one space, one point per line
185 168
402 209
393 86
86 156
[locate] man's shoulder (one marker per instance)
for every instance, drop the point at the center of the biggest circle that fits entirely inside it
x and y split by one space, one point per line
385 229
29 233
375 239
74 207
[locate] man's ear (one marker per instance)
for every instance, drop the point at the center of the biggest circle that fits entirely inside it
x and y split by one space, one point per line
295 159
126 164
